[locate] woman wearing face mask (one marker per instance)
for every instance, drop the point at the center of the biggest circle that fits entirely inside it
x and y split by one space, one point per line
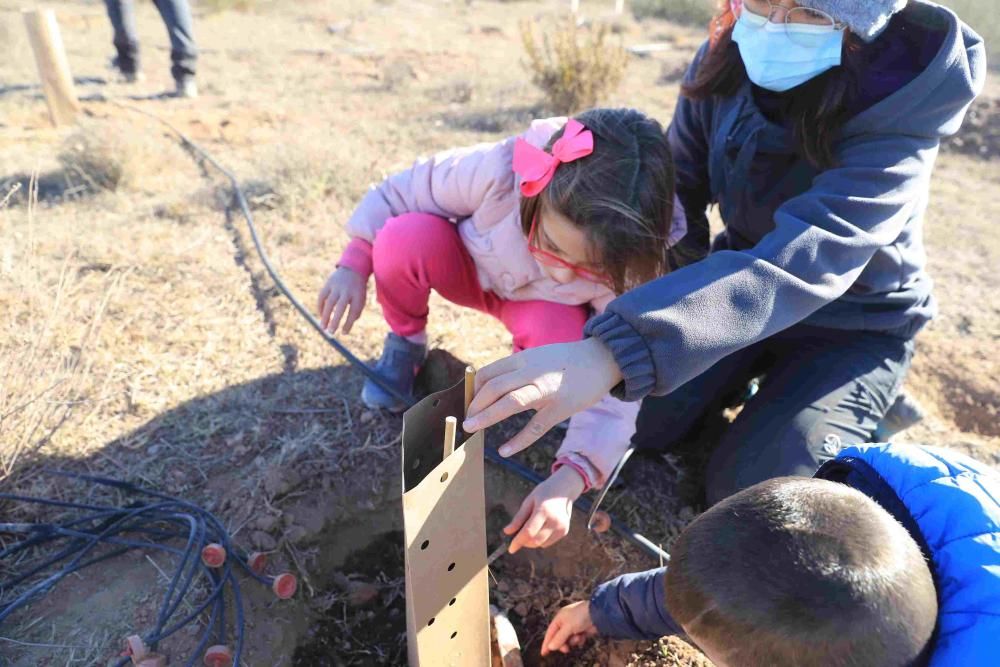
813 126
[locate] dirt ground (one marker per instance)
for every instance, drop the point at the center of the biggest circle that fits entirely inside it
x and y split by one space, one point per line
141 338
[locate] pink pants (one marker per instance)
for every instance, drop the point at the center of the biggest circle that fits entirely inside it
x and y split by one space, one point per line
417 252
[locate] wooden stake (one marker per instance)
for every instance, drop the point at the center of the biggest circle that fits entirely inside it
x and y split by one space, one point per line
53 68
470 387
450 430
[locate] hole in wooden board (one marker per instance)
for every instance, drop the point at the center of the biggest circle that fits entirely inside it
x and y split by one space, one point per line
454 634
437 402
444 477
452 601
451 567
430 622
426 544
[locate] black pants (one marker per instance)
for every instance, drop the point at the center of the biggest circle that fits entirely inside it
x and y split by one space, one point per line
823 389
176 16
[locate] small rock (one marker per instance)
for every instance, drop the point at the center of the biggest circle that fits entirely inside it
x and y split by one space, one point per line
522 589
503 586
279 481
296 534
340 27
686 513
341 581
263 541
367 416
265 522
522 609
362 593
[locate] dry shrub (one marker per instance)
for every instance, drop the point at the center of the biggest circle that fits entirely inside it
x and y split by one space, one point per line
574 65
102 156
305 176
45 372
687 12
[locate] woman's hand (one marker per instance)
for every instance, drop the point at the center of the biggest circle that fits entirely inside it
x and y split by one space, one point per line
544 516
344 291
556 380
571 628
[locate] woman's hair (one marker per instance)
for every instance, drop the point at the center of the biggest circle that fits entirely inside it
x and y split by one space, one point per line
807 572
817 109
621 195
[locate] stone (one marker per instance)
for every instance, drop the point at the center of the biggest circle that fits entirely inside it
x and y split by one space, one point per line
279 481
296 534
362 594
263 541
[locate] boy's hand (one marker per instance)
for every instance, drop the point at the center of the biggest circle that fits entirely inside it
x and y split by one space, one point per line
344 290
570 629
544 516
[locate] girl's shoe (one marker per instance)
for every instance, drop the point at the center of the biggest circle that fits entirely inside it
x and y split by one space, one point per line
400 362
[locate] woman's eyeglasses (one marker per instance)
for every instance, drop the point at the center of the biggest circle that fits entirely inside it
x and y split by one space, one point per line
555 261
761 12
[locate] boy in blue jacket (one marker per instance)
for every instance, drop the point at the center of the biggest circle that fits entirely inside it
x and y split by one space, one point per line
890 555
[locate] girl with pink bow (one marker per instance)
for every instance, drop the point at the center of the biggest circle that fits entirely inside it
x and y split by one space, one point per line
540 231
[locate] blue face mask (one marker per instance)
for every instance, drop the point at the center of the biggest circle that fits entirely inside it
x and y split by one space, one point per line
781 56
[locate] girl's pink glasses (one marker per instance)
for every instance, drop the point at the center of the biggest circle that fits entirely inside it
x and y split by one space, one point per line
549 259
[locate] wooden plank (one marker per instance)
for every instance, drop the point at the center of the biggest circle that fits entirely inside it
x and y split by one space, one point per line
470 388
450 430
53 67
444 525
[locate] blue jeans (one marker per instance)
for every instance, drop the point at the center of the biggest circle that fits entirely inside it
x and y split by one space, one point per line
176 16
822 389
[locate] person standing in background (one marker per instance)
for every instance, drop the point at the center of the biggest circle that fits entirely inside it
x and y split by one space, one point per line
183 53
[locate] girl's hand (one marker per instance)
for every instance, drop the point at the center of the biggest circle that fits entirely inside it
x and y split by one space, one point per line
544 516
556 380
344 290
571 628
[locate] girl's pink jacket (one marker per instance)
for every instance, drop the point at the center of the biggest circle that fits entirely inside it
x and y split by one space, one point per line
477 188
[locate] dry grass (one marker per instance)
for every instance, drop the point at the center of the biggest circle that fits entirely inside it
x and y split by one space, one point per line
691 12
575 66
139 320
46 372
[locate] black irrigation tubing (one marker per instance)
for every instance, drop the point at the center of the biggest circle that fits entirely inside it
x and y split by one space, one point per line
583 505
164 518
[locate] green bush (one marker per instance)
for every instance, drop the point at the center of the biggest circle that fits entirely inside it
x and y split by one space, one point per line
690 12
575 66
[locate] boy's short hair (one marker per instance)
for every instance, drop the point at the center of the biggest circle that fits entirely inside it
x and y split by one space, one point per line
798 571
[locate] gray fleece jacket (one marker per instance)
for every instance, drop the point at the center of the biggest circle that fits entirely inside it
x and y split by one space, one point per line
840 248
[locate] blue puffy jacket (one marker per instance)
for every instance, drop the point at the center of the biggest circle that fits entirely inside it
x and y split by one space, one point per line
949 503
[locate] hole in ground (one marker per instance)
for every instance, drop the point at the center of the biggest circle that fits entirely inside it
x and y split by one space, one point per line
364 621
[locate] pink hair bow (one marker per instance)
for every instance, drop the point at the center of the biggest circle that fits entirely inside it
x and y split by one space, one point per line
536 167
